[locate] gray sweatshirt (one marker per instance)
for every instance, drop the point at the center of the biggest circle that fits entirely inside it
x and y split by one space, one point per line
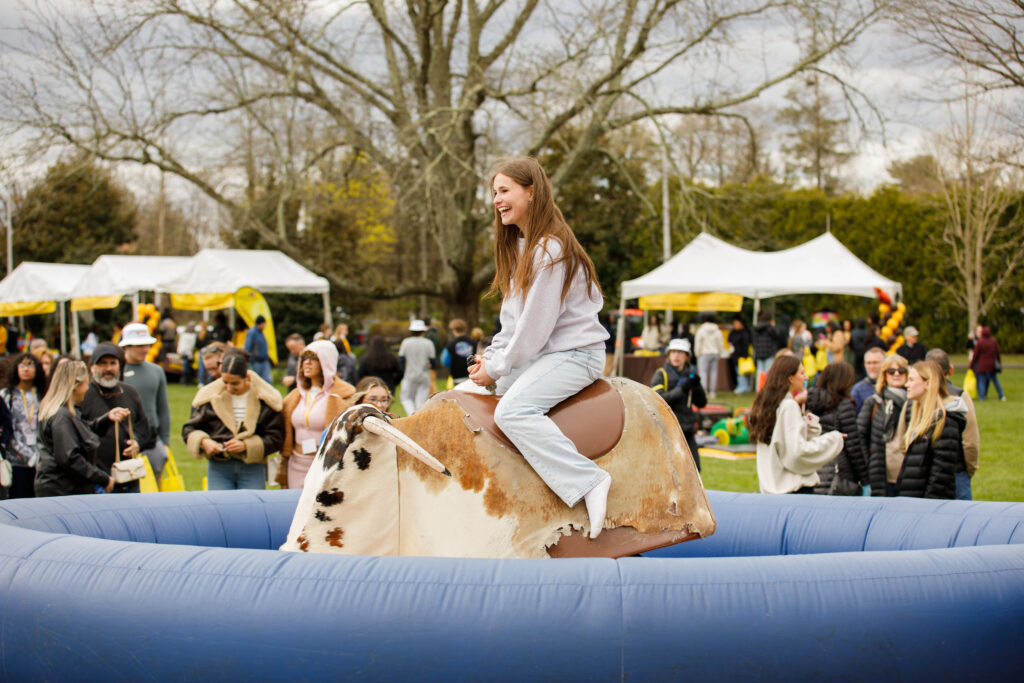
543 323
151 383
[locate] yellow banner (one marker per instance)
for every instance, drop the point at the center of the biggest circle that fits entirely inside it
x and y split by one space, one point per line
693 301
202 302
249 303
28 307
88 303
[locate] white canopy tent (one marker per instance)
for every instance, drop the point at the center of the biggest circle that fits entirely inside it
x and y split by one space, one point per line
33 288
113 276
219 271
120 275
707 264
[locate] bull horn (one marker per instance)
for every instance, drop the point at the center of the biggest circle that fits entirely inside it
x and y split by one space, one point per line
384 429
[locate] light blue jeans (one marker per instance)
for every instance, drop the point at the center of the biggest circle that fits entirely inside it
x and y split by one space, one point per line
526 397
707 368
226 475
742 383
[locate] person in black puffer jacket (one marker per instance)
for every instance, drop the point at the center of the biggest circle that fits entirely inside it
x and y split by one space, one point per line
679 385
830 401
933 439
878 424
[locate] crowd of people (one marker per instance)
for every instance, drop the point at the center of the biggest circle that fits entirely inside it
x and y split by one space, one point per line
65 423
842 411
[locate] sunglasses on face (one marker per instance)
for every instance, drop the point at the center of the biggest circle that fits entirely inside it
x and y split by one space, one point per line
310 356
896 371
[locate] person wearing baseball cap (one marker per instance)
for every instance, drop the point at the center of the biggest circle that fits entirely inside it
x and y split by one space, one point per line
151 382
107 391
677 382
912 349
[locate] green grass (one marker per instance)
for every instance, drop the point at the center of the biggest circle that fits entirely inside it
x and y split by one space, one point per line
1000 474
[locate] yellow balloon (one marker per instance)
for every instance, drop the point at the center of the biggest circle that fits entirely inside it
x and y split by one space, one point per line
901 307
884 308
899 341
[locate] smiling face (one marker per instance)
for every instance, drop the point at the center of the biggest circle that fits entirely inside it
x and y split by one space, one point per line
511 199
105 372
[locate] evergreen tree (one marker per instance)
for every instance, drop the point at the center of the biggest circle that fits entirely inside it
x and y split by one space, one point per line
74 214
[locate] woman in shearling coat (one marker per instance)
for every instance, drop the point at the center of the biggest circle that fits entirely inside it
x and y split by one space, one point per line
236 423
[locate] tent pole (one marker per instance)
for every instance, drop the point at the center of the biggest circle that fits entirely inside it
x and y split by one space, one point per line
327 310
135 306
757 307
63 327
76 344
620 338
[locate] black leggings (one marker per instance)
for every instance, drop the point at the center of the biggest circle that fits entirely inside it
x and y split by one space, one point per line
23 482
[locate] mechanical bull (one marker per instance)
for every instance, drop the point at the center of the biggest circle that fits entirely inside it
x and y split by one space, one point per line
375 489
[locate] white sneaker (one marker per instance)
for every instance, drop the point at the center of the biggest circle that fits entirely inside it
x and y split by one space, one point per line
596 500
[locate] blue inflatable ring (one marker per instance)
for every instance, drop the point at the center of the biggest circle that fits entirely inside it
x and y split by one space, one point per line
189 586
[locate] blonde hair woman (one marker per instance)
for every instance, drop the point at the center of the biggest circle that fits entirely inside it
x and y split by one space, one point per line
879 424
66 442
374 391
932 439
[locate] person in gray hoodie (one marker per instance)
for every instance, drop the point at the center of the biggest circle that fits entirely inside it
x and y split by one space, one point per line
551 344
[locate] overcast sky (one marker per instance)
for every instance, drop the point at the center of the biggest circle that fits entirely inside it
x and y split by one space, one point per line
905 87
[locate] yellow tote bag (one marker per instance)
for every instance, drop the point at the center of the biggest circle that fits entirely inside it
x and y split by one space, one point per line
171 479
971 384
810 366
745 365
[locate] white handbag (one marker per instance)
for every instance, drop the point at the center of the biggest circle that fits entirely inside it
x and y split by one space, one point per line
6 473
125 471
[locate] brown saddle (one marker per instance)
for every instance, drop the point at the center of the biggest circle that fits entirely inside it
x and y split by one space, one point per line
592 419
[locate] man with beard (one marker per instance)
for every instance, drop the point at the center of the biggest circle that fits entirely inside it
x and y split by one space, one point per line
151 383
106 391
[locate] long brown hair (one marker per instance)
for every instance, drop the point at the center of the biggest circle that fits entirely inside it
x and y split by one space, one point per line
513 275
836 379
761 420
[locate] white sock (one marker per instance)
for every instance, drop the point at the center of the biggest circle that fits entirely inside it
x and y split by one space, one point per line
596 500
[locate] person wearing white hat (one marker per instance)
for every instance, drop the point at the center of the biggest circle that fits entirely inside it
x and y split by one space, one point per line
151 382
680 386
420 359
